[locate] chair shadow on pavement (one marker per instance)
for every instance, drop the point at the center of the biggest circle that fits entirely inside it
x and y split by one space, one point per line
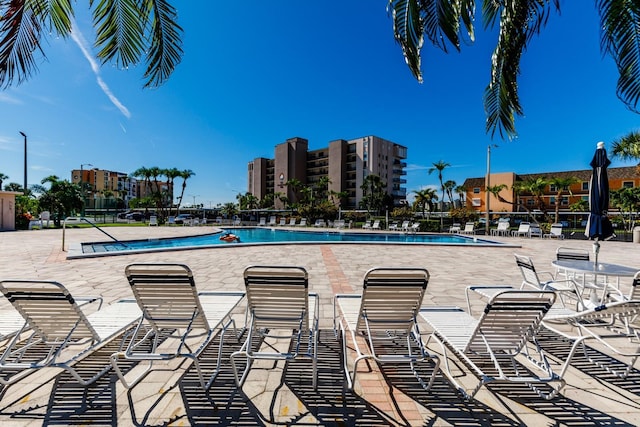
61 400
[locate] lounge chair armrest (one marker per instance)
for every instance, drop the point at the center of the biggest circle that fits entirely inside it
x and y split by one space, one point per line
82 301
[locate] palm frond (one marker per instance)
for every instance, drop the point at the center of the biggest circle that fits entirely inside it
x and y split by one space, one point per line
441 21
408 29
627 147
20 30
166 50
120 33
519 21
620 38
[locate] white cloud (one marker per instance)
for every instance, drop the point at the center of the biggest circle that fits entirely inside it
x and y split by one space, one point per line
79 39
9 99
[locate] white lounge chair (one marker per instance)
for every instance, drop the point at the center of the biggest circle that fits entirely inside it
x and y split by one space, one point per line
489 346
171 220
393 226
320 223
455 228
376 225
283 222
278 299
367 224
501 230
405 226
523 230
153 221
385 311
272 221
415 227
303 222
339 223
469 228
57 326
555 232
169 300
262 222
611 325
292 222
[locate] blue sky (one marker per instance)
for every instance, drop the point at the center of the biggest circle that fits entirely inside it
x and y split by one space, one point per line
255 73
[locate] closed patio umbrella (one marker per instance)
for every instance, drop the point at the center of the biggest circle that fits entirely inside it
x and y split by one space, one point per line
598 224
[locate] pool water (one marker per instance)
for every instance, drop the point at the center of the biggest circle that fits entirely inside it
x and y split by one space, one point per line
273 236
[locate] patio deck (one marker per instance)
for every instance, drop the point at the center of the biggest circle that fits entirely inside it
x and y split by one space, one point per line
279 393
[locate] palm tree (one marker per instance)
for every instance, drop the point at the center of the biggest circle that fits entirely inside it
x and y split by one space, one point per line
127 33
451 23
185 175
562 185
440 166
424 198
2 178
449 187
171 175
627 147
461 191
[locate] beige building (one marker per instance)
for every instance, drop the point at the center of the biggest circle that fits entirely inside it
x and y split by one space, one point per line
476 195
103 187
345 162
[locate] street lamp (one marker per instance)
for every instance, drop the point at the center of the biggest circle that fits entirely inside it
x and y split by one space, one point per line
486 191
25 162
84 199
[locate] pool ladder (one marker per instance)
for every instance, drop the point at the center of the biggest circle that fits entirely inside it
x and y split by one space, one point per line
93 225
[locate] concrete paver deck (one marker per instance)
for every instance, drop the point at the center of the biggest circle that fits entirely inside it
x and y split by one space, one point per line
281 393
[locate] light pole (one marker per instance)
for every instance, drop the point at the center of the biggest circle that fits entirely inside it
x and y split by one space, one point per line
487 185
84 199
25 162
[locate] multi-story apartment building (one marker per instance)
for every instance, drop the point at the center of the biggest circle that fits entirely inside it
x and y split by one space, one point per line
476 194
346 163
103 185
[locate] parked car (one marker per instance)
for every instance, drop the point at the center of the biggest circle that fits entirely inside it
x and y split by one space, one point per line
182 217
135 216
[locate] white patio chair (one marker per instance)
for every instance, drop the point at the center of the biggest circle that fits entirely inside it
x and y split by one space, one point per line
367 224
292 222
405 226
376 225
279 305
573 254
501 230
535 231
555 232
272 221
283 222
523 230
385 311
59 333
303 222
455 228
469 228
262 222
169 300
153 221
569 291
490 345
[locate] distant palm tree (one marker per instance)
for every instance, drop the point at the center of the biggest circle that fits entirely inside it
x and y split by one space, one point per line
461 191
440 166
3 177
449 187
424 198
185 175
562 185
171 175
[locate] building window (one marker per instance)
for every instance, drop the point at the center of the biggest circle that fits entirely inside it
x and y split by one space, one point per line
476 202
564 201
552 200
476 190
585 185
553 188
529 202
627 184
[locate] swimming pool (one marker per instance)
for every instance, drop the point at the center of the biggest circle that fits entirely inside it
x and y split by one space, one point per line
266 236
